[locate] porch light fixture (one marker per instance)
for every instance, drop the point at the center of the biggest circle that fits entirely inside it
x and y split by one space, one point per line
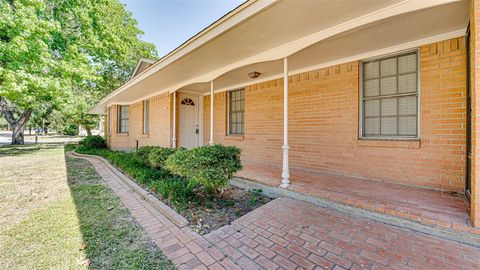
254 74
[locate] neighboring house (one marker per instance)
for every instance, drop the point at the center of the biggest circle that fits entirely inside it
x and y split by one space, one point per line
376 89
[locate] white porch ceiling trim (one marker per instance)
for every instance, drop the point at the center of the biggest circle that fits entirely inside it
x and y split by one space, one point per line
358 57
297 45
283 50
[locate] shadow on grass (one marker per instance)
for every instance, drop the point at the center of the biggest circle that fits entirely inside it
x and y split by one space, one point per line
112 238
26 149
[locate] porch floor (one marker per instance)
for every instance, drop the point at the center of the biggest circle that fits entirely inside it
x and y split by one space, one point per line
426 206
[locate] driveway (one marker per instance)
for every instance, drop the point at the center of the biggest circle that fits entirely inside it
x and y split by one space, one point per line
6 138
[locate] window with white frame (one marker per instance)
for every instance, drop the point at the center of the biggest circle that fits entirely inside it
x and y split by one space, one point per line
390 97
122 119
146 116
236 100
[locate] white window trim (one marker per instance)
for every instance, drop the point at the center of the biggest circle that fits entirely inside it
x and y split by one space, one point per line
228 113
360 99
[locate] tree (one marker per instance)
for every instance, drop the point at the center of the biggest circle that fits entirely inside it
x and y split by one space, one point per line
27 68
54 53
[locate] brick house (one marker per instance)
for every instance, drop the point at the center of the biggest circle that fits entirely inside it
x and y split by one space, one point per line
377 90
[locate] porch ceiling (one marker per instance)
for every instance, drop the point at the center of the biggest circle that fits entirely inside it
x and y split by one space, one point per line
316 34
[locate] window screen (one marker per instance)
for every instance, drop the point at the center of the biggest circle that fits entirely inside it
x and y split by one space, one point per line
110 120
236 112
146 116
123 119
390 97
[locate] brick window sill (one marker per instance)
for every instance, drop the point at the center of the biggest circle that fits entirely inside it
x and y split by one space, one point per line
387 143
145 135
235 137
122 134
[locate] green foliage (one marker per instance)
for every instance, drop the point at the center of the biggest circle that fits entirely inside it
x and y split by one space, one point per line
70 129
142 154
159 155
174 189
60 57
209 166
94 141
254 195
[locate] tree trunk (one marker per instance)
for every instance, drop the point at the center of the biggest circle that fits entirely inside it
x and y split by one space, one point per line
88 129
19 127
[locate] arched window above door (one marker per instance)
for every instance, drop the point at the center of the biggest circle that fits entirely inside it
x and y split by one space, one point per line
188 102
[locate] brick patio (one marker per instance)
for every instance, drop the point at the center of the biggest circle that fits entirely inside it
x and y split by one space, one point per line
290 234
429 207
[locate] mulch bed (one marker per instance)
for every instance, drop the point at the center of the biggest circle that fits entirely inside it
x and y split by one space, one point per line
215 213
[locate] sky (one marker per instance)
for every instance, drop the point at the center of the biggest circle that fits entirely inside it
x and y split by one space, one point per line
169 23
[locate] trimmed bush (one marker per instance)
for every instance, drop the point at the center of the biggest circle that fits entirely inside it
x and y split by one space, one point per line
142 153
174 189
159 155
209 166
94 141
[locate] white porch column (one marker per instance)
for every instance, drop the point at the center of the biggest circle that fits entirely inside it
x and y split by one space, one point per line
211 113
285 171
174 133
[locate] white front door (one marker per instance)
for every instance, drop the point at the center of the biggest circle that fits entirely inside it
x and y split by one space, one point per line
189 121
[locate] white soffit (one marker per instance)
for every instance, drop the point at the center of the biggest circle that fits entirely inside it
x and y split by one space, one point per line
229 57
390 35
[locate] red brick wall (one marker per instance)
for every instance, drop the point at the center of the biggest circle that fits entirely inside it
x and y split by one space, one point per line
323 123
160 125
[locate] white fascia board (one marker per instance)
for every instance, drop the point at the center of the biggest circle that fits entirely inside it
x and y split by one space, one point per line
230 20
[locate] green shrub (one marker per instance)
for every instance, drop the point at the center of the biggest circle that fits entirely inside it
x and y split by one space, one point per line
71 130
175 190
142 153
159 155
94 141
209 166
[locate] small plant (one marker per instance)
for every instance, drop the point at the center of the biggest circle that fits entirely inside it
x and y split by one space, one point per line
209 166
176 190
94 141
142 153
158 155
254 195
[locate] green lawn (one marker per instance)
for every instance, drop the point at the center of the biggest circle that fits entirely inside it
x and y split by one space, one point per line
56 213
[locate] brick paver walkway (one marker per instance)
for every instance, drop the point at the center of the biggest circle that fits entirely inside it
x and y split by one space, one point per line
289 234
